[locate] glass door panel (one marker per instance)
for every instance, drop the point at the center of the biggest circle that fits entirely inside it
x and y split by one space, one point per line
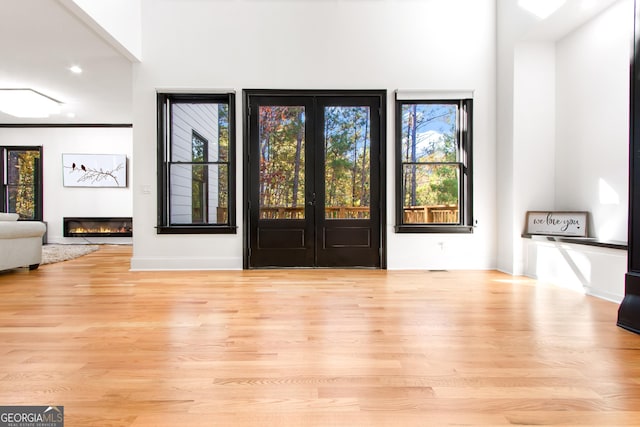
348 182
281 136
347 151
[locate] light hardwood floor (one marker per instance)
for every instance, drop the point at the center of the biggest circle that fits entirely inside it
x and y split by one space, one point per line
310 348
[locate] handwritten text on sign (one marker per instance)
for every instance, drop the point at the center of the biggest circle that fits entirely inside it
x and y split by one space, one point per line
557 223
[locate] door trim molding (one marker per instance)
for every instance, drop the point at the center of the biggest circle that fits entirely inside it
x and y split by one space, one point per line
247 94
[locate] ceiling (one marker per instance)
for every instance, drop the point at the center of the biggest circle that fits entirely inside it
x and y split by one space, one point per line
41 39
571 15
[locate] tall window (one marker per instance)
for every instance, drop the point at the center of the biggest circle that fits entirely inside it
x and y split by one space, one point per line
21 182
433 173
196 162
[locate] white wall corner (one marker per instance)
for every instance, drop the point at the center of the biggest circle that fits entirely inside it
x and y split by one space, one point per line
118 22
589 270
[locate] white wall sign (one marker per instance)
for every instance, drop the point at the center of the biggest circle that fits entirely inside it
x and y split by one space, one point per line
570 224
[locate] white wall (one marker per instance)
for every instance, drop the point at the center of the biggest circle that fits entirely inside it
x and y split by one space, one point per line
59 201
591 154
512 24
533 137
590 270
593 120
117 21
591 98
276 44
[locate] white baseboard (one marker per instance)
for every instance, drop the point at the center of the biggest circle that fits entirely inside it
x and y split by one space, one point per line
185 263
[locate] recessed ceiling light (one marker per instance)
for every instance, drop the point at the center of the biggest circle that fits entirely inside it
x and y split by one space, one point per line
71 115
27 103
541 8
75 69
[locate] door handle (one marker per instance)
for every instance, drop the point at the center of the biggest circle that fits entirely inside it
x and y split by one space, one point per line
312 202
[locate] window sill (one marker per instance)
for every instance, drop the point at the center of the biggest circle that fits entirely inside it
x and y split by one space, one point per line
197 229
587 241
457 229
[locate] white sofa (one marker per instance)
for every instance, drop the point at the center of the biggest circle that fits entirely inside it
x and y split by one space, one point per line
20 242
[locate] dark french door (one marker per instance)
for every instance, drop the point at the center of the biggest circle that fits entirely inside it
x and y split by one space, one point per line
314 179
21 171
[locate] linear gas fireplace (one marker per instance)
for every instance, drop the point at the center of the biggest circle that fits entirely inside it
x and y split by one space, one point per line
98 227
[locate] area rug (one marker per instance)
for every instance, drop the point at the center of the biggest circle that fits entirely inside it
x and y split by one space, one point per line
58 253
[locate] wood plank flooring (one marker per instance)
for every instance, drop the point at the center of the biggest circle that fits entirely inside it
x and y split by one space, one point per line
310 348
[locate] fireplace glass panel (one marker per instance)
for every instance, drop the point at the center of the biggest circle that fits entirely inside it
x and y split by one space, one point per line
98 227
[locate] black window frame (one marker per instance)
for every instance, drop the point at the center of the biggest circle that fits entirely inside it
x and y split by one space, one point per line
164 102
464 138
38 185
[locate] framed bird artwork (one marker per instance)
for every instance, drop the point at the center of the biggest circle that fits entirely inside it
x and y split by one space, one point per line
94 170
